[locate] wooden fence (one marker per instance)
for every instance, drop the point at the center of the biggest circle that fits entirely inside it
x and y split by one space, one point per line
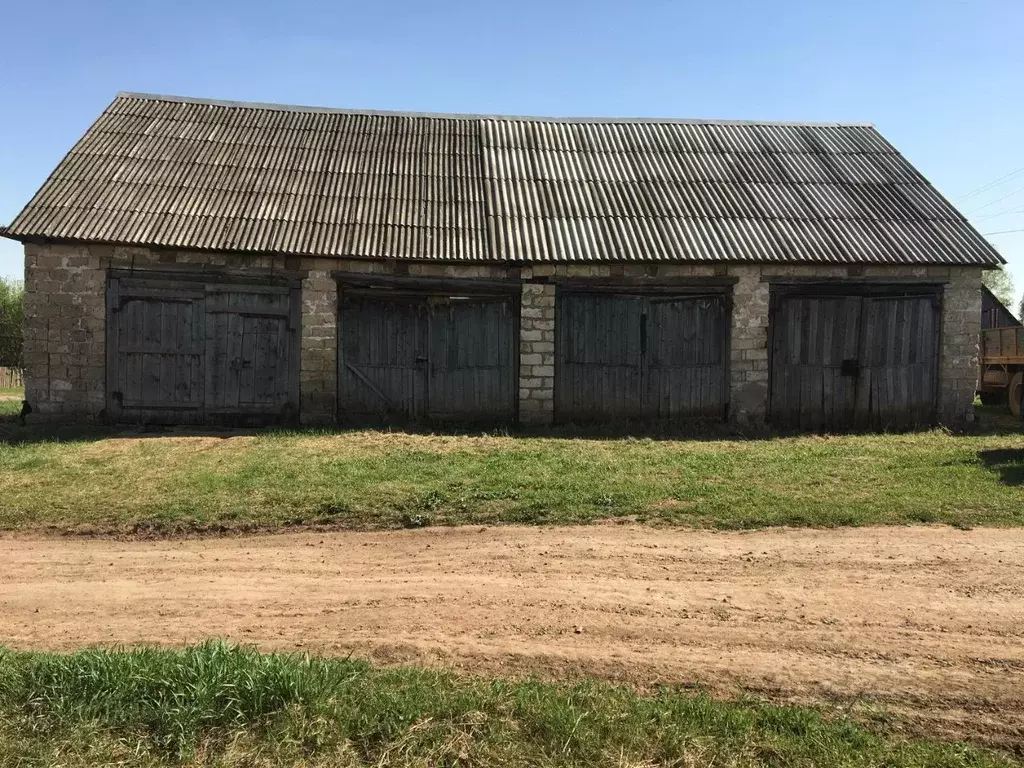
10 378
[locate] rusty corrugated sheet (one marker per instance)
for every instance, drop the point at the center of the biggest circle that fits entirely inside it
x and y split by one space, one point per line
183 173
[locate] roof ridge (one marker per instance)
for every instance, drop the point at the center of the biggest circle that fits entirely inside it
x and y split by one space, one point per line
472 116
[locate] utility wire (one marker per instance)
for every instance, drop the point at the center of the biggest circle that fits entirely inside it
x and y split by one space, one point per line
986 187
1001 232
1007 212
993 202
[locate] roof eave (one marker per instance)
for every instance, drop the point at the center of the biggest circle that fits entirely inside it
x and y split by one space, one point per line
42 238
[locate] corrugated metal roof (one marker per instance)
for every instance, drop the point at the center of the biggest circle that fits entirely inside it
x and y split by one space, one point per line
193 173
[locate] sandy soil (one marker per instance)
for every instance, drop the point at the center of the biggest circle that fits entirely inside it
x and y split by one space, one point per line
926 622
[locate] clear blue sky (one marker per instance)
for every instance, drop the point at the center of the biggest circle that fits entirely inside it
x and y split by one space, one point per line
943 80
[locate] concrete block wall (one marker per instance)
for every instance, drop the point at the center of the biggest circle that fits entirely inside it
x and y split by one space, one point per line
65 309
748 348
65 318
318 359
537 353
748 361
65 332
958 359
320 297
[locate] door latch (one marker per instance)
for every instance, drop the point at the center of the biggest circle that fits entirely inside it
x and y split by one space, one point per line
850 367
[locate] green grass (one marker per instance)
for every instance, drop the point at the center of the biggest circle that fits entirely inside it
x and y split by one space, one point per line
79 480
220 705
9 409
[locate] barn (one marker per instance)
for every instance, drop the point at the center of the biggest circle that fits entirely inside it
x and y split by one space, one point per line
207 262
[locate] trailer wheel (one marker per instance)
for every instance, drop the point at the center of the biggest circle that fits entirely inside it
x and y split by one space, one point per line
1013 392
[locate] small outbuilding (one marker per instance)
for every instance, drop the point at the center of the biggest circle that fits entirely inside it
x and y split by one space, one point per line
207 262
994 313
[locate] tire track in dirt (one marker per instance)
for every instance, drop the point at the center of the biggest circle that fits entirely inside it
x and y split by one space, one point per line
928 621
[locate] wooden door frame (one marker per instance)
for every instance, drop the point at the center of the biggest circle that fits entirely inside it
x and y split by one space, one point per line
421 290
144 288
158 282
866 288
646 288
360 293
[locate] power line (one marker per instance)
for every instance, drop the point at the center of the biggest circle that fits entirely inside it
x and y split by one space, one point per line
1001 232
986 187
993 202
1007 212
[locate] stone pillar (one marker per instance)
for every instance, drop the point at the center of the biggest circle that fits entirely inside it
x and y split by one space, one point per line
748 349
65 338
318 369
958 358
537 353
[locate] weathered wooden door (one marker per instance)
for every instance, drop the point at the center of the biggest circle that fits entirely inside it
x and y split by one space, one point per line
640 358
471 359
383 358
248 340
414 357
815 362
841 362
597 367
156 351
898 383
684 349
187 351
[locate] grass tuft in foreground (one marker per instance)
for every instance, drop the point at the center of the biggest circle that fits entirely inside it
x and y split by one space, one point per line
216 704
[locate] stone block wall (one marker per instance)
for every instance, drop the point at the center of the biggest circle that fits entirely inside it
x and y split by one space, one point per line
748 343
958 359
65 318
65 332
748 348
537 353
318 363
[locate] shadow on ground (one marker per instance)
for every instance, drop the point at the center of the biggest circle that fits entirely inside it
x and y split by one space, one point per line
991 420
1008 462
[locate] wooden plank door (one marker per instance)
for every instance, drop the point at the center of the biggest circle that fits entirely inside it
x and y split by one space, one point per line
472 359
382 358
865 362
815 362
683 340
155 352
598 360
898 386
250 342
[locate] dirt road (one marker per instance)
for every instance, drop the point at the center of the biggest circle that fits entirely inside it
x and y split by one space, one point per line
929 622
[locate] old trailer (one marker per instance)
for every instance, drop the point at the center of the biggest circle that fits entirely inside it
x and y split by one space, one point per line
1001 372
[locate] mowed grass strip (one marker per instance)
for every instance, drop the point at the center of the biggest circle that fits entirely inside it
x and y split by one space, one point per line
215 704
102 482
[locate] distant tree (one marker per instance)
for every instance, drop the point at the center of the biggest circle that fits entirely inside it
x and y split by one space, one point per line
12 315
1000 283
